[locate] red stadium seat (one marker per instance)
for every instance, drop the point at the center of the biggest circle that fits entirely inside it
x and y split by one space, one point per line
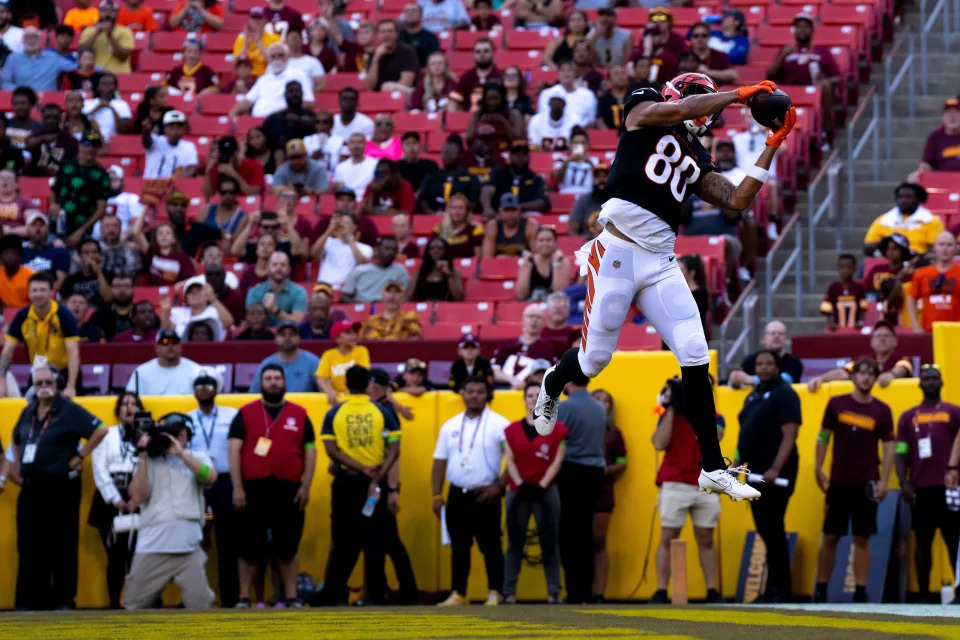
217 104
218 42
603 139
639 337
215 126
457 120
372 102
937 181
245 123
422 122
130 82
423 224
463 40
501 331
338 81
157 62
562 202
489 290
783 15
126 145
131 165
169 41
449 331
535 40
356 311
500 268
424 311
465 312
943 202
685 16
467 267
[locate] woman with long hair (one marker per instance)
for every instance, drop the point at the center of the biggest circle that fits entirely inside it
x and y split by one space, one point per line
560 49
257 272
463 236
493 110
256 147
545 270
318 35
437 279
114 463
515 84
152 107
164 261
438 81
74 120
691 266
616 456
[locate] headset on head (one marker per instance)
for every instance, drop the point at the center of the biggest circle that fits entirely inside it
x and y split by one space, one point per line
176 416
57 375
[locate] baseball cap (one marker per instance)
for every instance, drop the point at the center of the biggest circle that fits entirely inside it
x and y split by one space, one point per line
952 103
803 15
724 143
178 196
607 11
345 191
296 147
174 117
509 201
603 166
659 14
108 3
468 340
540 364
380 377
115 170
208 375
736 14
167 334
91 138
35 214
520 145
287 323
396 286
415 364
194 281
323 287
343 325
257 12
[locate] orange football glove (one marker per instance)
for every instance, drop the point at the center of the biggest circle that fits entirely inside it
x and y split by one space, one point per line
744 92
776 138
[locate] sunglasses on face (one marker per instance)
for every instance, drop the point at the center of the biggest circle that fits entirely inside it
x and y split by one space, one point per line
511 76
45 383
483 51
228 192
700 35
270 227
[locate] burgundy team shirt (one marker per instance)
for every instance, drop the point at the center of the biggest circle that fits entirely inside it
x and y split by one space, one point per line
929 432
877 274
845 303
942 151
284 20
796 66
514 356
470 86
195 82
857 429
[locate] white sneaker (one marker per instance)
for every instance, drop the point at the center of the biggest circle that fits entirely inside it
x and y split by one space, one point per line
545 413
726 481
454 600
493 599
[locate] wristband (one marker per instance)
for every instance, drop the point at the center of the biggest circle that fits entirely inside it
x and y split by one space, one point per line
758 173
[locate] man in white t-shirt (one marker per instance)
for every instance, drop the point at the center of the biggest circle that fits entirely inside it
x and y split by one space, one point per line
349 121
111 113
124 205
324 145
581 102
11 35
550 130
168 374
169 153
339 251
574 174
468 455
356 172
309 65
268 94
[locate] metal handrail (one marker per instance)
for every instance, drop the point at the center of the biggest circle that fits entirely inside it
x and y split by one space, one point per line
872 132
814 213
891 84
794 261
927 23
747 302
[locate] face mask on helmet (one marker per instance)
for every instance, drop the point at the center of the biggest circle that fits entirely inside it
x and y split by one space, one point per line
691 84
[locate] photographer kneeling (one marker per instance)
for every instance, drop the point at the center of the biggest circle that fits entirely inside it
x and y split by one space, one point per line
168 485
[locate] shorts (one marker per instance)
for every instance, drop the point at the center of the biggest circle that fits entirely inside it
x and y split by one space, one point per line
271 522
846 502
677 499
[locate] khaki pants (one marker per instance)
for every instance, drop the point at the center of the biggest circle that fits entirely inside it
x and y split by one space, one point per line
150 573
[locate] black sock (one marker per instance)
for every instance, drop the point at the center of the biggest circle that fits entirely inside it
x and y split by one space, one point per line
567 369
701 413
820 591
860 591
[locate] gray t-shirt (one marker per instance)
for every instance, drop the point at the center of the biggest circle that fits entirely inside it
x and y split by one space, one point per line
365 282
314 178
610 50
587 421
175 536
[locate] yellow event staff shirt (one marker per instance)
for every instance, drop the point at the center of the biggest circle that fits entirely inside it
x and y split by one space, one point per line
333 365
361 429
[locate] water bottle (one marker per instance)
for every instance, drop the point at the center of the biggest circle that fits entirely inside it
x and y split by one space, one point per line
371 503
946 593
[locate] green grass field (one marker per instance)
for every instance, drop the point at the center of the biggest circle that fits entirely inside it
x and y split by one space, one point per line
522 621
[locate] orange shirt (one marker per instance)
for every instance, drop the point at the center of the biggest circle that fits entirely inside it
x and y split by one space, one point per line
13 291
939 292
80 19
141 20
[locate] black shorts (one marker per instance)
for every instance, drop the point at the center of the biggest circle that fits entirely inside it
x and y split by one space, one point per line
272 521
846 502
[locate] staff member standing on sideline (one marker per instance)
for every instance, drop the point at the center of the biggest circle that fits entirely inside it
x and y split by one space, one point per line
469 455
616 454
45 441
926 434
353 436
580 484
769 423
273 455
533 462
855 488
212 423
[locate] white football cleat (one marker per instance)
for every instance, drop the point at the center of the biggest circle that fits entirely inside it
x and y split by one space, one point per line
726 481
545 412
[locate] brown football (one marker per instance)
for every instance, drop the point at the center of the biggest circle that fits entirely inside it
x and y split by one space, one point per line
769 109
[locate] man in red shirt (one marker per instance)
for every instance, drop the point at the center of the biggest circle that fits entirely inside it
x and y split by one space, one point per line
942 151
936 287
804 63
680 492
858 421
925 436
226 159
272 459
512 361
469 88
533 462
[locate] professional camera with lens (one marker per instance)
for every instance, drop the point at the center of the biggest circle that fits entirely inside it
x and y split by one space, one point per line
171 423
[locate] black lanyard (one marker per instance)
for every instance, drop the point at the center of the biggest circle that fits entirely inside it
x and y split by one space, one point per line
267 421
43 428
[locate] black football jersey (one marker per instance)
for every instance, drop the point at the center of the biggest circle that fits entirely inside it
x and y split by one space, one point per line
657 168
